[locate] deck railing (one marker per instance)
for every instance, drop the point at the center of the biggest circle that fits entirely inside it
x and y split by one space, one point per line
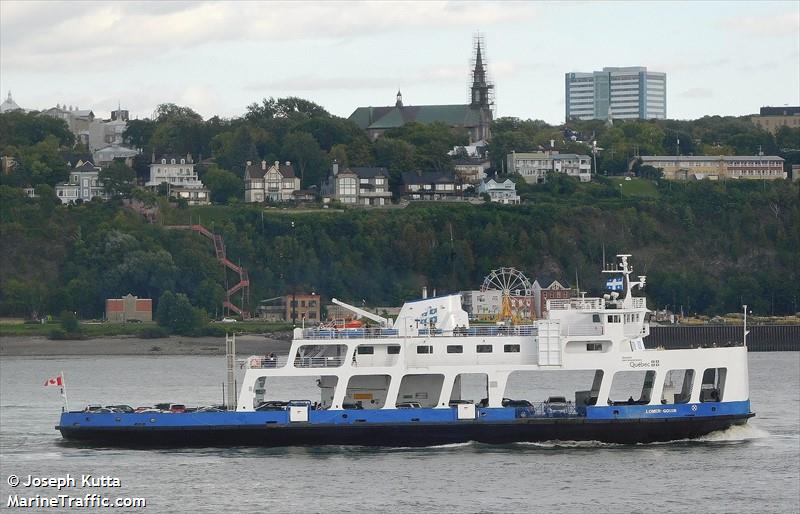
384 333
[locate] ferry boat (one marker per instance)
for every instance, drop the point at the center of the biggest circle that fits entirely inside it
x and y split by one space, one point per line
405 382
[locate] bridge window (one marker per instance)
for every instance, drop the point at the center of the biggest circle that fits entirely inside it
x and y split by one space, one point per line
678 386
614 318
455 348
393 349
511 348
713 384
424 349
484 348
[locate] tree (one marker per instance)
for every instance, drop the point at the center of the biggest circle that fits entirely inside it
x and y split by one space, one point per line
223 184
139 132
117 179
177 314
26 129
307 156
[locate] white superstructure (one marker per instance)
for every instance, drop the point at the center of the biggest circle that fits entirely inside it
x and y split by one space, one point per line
420 359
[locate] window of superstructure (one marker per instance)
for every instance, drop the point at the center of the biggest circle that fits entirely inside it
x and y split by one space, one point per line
424 349
594 347
393 349
366 350
713 385
511 348
484 348
677 386
455 348
614 318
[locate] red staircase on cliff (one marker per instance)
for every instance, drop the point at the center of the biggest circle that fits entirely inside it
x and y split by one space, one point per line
244 280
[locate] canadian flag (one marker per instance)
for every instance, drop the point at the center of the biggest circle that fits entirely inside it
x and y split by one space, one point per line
55 381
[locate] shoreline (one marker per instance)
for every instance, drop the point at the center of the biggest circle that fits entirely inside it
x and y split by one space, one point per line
40 346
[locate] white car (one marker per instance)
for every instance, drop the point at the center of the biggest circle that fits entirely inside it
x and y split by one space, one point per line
227 320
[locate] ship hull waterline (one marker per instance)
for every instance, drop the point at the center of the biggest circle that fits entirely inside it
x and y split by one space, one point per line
625 431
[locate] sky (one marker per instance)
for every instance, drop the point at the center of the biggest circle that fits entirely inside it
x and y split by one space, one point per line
723 58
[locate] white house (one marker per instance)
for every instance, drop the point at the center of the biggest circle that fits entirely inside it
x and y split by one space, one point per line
276 183
504 191
83 184
181 178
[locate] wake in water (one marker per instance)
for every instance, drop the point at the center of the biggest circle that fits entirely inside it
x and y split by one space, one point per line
734 434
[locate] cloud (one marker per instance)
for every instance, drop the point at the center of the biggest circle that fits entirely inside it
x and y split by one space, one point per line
776 25
51 36
696 92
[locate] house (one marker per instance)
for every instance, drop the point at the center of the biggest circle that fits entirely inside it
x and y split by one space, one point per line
357 186
178 173
534 166
471 171
106 155
302 308
84 184
128 308
431 185
274 183
500 191
555 291
482 305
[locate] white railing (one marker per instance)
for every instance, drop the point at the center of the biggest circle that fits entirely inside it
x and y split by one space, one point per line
263 361
318 362
391 333
575 304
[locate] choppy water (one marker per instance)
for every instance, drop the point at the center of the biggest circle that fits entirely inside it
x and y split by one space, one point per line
745 469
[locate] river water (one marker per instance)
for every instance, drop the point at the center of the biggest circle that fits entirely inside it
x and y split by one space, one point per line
745 469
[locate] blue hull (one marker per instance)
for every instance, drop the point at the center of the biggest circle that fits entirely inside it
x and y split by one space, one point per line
402 427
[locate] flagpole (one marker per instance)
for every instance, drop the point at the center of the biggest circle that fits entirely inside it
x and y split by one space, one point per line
64 391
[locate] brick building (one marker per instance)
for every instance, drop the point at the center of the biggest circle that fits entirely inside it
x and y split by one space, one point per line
127 308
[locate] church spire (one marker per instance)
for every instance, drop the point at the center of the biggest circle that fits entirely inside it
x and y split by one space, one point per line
399 99
480 90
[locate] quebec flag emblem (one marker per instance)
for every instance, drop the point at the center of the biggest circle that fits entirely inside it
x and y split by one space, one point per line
614 284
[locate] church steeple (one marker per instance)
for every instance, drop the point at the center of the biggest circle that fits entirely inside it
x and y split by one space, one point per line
399 101
481 88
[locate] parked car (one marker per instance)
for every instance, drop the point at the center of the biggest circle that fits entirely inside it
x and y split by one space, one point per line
272 405
556 406
409 405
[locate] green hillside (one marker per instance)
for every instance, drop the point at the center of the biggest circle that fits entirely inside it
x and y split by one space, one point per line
705 246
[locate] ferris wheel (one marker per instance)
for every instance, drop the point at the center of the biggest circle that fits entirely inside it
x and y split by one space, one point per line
510 281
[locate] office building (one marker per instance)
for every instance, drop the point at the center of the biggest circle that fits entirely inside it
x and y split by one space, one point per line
616 93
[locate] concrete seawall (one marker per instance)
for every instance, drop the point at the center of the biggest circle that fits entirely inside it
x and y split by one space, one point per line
762 338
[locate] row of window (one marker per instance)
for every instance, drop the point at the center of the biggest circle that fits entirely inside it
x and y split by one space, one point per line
481 348
451 348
